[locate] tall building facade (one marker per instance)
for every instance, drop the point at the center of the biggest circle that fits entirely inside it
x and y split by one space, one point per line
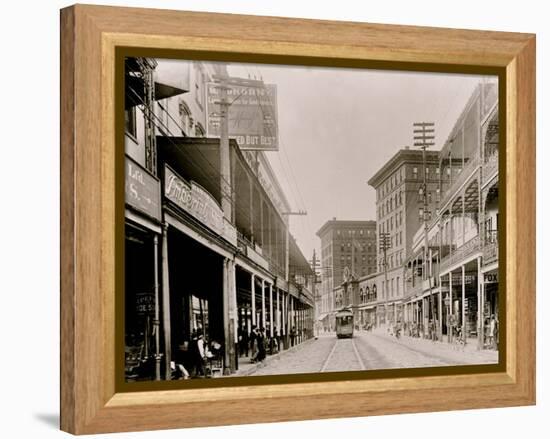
452 272
399 212
348 251
193 262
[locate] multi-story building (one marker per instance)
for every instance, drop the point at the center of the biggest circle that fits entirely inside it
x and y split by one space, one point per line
348 251
452 273
399 207
207 247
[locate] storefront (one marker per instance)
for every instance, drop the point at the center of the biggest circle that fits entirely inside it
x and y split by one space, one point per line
381 314
200 271
490 307
196 294
141 255
368 316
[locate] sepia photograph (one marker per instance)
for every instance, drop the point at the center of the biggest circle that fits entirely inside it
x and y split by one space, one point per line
285 219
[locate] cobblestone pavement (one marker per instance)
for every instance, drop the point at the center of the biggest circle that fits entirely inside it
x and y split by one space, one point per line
370 351
308 358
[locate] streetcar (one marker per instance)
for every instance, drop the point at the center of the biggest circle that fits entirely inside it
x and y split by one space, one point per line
344 323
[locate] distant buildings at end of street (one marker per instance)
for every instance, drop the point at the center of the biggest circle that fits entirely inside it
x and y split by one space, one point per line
436 232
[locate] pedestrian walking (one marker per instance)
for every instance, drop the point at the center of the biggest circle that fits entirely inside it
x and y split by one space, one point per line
198 354
243 341
274 342
253 341
292 336
261 344
492 332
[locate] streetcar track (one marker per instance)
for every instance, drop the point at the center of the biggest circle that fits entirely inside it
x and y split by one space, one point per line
431 356
357 354
325 364
331 353
375 360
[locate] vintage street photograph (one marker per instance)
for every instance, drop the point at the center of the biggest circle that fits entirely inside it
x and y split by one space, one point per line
288 219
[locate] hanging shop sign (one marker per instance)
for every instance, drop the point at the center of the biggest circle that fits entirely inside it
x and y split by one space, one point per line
252 107
194 200
142 190
491 278
145 304
468 279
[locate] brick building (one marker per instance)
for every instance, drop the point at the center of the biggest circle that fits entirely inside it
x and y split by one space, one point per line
346 246
398 205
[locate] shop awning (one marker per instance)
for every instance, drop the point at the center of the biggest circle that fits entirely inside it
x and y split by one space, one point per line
367 307
323 316
135 91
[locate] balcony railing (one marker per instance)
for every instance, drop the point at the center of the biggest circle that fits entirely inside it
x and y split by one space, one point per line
274 266
490 247
306 292
461 253
411 290
251 250
243 240
490 166
469 168
367 298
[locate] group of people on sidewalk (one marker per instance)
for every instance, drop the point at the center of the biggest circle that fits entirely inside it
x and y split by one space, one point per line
259 344
429 331
193 358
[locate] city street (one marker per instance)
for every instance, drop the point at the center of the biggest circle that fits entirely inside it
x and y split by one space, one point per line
368 351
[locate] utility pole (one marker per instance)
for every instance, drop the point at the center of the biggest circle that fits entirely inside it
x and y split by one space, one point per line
229 287
424 135
225 162
314 263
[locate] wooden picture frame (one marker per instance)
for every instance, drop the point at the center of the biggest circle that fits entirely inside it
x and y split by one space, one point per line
90 35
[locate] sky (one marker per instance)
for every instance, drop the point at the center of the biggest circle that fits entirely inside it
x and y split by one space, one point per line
337 127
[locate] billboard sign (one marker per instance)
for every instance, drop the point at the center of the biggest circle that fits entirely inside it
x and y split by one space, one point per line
252 113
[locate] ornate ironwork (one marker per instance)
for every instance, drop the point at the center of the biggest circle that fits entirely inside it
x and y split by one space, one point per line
490 167
464 175
461 253
490 247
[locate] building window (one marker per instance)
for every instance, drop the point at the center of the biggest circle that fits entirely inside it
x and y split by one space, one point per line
199 130
415 172
130 124
186 120
200 81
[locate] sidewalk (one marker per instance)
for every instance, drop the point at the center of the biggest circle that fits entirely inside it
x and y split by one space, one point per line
247 368
448 349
